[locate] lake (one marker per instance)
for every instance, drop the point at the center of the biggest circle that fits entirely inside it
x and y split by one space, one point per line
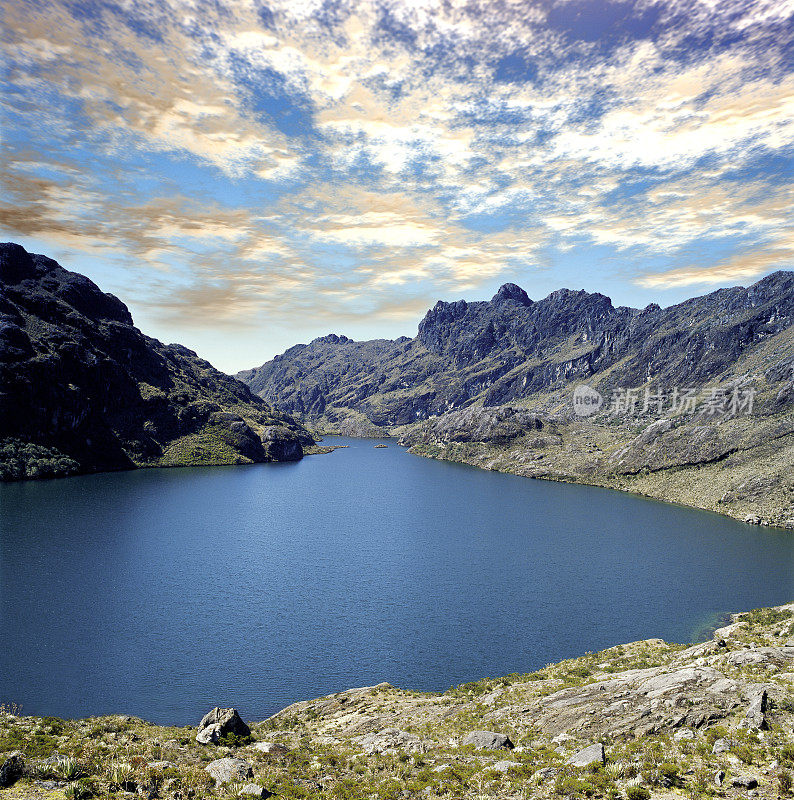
162 593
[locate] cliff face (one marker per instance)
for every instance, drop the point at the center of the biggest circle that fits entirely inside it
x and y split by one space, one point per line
512 349
83 390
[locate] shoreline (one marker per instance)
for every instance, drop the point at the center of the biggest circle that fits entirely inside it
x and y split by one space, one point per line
475 462
714 717
604 483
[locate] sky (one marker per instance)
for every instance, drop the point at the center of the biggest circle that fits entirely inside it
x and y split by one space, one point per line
248 174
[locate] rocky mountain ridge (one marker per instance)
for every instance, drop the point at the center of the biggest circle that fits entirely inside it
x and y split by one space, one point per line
511 349
83 390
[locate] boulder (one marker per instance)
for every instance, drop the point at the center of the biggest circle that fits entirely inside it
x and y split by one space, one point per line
254 790
209 735
744 782
488 740
391 740
221 722
721 746
756 713
272 748
228 770
12 767
589 755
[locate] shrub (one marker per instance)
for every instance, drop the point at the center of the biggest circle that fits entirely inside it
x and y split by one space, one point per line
569 786
669 772
784 781
233 740
717 732
120 774
70 769
78 790
744 753
766 616
580 672
637 793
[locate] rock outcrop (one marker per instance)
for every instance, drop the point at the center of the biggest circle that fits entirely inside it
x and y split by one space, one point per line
229 770
12 766
220 722
511 348
83 390
594 754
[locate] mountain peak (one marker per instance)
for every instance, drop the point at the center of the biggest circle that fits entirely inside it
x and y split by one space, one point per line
513 292
16 263
332 338
18 266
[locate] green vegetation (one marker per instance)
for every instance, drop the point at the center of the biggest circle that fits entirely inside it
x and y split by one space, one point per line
19 459
766 616
549 715
208 447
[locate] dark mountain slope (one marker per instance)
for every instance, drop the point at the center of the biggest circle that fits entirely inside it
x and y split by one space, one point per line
83 390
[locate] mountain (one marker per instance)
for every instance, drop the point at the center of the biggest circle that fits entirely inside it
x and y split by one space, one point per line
83 390
491 383
512 348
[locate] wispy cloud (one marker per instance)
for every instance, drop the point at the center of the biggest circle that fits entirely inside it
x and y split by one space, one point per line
350 157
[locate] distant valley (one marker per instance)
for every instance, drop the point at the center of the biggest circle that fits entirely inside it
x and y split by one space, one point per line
491 384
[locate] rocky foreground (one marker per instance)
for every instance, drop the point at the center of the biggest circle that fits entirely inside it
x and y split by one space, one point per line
647 719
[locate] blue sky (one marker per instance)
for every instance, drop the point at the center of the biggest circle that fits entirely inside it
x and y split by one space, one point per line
249 174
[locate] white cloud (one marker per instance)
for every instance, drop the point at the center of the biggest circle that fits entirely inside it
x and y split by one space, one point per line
410 138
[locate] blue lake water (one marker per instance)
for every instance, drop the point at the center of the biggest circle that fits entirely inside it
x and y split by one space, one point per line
162 593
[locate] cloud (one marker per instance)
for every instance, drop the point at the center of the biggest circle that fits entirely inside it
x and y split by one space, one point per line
136 91
739 267
355 158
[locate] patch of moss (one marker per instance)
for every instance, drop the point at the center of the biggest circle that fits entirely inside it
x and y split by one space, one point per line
205 448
